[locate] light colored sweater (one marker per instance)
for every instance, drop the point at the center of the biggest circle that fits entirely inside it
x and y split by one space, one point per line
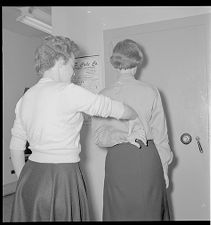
49 116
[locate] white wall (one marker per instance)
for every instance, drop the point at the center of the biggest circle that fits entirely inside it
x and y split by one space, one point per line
85 25
18 73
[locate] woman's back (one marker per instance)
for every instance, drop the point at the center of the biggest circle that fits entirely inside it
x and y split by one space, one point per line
137 94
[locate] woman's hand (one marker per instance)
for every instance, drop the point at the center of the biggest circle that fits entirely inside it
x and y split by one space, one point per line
136 131
165 170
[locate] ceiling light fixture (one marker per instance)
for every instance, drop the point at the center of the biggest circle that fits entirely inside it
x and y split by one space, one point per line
27 17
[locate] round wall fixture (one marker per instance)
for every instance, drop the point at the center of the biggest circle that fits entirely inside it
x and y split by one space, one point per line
186 138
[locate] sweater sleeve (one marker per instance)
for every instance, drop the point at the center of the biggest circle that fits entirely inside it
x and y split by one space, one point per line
82 100
159 132
18 140
106 134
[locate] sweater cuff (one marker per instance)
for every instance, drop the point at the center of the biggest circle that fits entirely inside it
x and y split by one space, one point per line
117 109
17 144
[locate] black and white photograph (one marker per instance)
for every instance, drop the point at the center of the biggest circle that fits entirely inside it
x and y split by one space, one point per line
106 113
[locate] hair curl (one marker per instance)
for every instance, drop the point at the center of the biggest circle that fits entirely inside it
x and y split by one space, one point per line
127 54
53 48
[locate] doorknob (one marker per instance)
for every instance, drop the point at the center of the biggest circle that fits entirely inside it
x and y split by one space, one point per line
186 138
199 144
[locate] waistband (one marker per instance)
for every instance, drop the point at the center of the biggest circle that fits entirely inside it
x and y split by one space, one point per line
70 156
149 142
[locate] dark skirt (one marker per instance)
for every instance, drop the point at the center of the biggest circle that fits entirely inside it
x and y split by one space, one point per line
134 185
50 192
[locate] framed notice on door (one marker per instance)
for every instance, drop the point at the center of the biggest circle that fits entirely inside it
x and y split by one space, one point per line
87 72
87 75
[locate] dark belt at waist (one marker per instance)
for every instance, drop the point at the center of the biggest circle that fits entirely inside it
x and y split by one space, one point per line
141 144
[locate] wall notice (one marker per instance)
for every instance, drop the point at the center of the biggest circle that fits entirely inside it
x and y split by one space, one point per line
87 73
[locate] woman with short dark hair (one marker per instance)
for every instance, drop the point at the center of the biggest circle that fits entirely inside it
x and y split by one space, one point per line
138 152
49 116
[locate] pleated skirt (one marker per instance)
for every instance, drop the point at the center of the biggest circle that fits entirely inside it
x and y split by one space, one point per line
134 185
50 192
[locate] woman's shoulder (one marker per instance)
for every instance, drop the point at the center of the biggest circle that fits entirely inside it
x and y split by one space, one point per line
69 87
146 86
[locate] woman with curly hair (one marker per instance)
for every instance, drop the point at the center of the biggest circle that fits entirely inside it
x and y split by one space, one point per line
49 116
138 153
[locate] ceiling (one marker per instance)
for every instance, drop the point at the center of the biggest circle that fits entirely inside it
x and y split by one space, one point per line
9 15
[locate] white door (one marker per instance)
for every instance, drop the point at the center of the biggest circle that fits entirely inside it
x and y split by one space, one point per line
176 63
